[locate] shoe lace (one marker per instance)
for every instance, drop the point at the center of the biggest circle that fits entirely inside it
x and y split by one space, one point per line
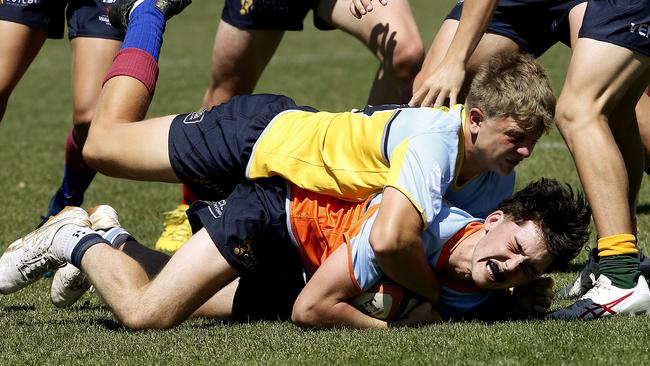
34 267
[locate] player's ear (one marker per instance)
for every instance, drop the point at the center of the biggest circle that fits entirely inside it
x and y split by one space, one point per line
474 119
492 220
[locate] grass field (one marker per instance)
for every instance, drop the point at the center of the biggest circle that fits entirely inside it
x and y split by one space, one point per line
330 71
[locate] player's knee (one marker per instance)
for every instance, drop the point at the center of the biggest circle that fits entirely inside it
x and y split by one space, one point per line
573 115
145 319
96 151
304 313
407 60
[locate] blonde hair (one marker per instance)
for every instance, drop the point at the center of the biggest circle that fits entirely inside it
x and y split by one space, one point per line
516 86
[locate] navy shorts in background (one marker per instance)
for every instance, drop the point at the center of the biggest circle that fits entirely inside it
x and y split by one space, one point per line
625 23
209 150
535 25
271 14
86 18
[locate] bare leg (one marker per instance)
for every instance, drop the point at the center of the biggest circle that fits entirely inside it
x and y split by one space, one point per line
392 36
20 45
583 115
192 276
643 117
239 57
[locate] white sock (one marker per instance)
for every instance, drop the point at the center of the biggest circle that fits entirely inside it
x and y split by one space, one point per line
67 238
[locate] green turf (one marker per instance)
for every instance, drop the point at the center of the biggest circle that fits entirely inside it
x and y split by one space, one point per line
328 70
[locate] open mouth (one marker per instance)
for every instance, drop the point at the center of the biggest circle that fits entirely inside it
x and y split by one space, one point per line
494 271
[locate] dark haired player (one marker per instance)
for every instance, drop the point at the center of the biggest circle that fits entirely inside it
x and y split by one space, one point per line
266 231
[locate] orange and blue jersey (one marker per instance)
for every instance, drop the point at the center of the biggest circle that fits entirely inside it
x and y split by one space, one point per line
320 224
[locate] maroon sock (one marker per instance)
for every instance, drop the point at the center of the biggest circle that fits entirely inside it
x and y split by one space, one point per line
137 64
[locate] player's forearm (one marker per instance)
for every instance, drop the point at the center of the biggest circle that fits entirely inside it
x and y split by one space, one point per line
474 20
409 268
334 314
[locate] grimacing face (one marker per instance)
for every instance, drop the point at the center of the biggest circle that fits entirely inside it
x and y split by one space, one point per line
509 255
504 144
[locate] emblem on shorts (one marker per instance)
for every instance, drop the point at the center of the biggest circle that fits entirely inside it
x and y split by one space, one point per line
243 249
642 29
194 117
245 7
216 208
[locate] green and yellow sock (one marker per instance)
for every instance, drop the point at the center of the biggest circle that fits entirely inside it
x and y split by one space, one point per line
619 259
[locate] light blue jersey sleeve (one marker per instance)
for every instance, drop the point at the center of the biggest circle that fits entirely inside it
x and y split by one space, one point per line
422 148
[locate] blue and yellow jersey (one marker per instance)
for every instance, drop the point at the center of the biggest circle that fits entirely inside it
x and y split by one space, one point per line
353 155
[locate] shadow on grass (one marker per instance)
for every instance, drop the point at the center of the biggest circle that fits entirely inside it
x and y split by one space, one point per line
643 209
17 308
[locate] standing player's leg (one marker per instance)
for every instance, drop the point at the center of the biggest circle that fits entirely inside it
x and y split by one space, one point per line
239 57
643 117
392 36
91 59
20 45
595 114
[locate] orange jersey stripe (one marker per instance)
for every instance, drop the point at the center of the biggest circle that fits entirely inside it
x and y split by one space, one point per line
449 248
319 222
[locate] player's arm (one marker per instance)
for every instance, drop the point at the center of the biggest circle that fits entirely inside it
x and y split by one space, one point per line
447 78
323 301
395 239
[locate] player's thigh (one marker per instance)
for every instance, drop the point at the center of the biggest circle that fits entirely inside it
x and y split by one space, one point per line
193 275
19 46
382 29
600 75
135 150
575 21
91 59
239 56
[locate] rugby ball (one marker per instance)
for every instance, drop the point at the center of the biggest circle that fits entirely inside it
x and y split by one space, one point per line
386 301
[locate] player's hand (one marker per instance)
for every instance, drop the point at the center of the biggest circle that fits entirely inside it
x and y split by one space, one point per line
445 82
422 314
359 8
535 297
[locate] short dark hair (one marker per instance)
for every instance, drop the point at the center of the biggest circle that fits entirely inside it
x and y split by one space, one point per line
562 215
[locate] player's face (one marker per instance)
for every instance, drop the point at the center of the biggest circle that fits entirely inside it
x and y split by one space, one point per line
504 144
509 255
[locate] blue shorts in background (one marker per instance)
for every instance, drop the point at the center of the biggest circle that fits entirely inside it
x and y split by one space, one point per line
271 14
86 18
535 25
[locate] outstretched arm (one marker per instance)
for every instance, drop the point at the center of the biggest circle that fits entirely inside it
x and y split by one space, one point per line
323 301
447 78
395 239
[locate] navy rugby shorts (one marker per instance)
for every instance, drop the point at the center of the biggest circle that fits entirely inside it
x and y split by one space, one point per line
271 14
535 25
625 23
249 228
209 150
86 18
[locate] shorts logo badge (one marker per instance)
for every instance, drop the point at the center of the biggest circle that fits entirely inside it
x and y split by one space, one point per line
243 249
216 208
642 29
245 7
194 117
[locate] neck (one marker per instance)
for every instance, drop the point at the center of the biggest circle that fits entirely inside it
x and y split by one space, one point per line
471 167
458 269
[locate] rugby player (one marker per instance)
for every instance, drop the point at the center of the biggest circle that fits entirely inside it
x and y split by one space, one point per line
466 154
267 231
25 25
